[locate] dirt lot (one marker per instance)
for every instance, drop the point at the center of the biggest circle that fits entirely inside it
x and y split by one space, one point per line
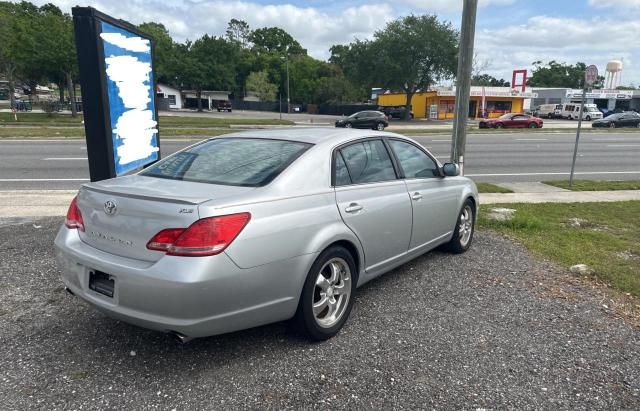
492 328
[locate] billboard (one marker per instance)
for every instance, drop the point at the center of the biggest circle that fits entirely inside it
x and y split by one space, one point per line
118 92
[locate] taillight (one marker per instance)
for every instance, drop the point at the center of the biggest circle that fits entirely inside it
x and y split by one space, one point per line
74 217
207 236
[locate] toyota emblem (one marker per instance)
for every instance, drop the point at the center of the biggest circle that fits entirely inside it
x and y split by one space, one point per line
110 207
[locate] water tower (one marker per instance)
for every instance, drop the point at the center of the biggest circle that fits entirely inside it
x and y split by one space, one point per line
614 71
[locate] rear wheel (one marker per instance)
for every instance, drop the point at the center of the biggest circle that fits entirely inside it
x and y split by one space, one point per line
327 295
463 232
638 124
549 115
612 125
380 126
499 125
533 125
588 118
348 125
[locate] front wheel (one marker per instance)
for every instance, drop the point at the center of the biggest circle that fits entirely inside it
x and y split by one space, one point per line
463 232
380 126
588 118
533 125
612 125
348 125
327 295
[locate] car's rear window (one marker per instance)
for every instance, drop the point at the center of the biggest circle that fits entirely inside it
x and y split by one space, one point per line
249 162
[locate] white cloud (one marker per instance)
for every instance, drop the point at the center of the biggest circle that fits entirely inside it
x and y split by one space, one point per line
569 40
618 4
451 5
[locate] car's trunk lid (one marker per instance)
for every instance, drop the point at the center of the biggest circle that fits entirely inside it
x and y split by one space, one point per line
121 215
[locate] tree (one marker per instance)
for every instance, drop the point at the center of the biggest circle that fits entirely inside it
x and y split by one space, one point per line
238 31
259 83
164 52
411 53
489 81
556 74
275 40
9 45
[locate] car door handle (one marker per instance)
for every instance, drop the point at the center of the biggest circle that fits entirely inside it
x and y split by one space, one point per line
416 196
353 208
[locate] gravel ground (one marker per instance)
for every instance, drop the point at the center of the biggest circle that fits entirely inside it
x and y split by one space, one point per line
492 328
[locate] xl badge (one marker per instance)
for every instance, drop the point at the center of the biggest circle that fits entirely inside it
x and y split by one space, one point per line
110 207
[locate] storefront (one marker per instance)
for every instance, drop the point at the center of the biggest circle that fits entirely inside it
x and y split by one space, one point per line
606 100
439 104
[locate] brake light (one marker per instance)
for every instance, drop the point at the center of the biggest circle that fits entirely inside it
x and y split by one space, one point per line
74 217
207 236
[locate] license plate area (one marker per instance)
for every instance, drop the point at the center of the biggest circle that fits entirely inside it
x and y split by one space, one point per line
101 283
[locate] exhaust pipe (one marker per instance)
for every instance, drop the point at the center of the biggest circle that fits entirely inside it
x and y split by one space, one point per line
183 339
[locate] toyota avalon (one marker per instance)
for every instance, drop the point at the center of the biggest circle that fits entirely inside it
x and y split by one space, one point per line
260 226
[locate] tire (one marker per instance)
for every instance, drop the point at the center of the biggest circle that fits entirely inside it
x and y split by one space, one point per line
348 125
612 125
218 110
549 115
533 125
569 117
588 118
638 124
380 126
499 125
338 270
463 232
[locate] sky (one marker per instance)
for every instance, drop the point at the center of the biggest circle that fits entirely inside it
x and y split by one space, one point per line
510 34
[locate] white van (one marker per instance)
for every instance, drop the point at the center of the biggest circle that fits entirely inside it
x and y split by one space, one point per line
548 110
571 111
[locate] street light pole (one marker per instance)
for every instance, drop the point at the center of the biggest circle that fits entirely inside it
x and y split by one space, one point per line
463 82
288 90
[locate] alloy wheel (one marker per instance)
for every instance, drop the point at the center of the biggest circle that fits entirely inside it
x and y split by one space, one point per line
348 125
465 227
380 127
332 292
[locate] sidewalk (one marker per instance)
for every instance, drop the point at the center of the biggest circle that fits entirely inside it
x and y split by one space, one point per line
46 203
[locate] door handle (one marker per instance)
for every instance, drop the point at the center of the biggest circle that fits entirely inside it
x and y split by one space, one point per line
416 196
353 208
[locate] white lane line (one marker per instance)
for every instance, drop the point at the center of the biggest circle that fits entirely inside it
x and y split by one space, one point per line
532 139
64 158
551 174
614 139
623 145
10 180
440 141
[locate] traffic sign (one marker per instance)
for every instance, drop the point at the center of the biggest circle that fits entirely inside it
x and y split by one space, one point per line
591 75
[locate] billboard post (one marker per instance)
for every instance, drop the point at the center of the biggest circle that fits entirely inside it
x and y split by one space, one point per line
590 77
115 61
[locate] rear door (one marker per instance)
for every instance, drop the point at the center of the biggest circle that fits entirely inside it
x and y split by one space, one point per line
433 198
372 201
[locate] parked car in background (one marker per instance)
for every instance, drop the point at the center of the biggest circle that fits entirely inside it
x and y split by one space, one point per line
224 106
375 120
571 111
512 120
625 119
548 111
235 232
395 112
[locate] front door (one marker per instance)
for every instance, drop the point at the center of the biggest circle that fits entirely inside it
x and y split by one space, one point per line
372 201
433 198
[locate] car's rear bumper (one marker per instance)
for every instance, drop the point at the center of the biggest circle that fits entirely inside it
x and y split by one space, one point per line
194 296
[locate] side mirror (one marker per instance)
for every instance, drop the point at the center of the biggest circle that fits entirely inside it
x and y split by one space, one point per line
451 170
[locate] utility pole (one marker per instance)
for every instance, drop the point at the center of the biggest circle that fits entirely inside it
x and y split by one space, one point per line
590 77
463 82
288 90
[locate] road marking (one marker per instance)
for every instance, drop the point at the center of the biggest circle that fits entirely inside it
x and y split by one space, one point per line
532 139
440 141
551 174
623 145
64 158
614 139
11 180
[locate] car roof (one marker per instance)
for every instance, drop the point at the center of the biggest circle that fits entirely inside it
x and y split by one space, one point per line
313 135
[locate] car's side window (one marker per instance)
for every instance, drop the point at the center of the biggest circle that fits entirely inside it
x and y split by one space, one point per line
367 162
414 162
342 174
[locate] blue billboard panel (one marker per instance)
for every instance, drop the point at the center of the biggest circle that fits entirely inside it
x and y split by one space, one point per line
130 89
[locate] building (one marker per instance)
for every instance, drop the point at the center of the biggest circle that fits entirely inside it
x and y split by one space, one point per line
606 100
439 104
210 98
172 96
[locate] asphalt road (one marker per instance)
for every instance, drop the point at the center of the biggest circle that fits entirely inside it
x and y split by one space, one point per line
488 329
46 164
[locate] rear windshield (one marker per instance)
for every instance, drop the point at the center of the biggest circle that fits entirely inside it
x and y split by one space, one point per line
230 161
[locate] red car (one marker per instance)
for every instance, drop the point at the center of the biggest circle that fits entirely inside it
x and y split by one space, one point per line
512 120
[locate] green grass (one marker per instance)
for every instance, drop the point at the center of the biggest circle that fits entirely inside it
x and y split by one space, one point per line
36 119
491 188
608 241
594 185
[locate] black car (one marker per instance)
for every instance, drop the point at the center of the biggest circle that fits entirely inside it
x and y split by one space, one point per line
395 112
364 119
626 119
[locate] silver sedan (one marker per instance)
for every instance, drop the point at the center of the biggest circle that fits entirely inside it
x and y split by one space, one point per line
261 226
